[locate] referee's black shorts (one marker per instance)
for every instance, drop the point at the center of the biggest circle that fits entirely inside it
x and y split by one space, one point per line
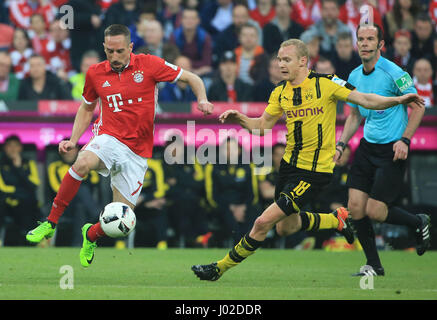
374 172
299 185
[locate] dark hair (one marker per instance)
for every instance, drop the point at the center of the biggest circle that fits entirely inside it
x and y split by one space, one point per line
379 34
423 16
117 30
248 25
344 36
12 137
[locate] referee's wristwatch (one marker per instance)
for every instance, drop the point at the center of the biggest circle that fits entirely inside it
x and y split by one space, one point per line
342 145
406 141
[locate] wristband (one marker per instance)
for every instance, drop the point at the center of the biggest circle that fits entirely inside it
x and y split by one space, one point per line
405 140
341 144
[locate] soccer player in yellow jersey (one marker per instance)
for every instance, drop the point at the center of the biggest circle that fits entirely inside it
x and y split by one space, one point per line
309 101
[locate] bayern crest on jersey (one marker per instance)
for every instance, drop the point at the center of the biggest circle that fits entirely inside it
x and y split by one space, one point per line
138 76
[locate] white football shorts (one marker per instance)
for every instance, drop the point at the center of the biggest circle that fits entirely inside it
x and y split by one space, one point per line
127 169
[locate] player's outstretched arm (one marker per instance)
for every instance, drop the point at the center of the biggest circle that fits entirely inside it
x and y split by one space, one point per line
82 121
254 125
196 84
377 102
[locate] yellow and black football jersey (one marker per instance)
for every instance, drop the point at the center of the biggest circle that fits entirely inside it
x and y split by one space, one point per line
310 110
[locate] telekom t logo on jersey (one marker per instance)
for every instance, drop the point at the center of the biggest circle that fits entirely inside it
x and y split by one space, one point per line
116 101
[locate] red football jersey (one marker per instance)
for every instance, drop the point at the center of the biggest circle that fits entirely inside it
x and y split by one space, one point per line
128 99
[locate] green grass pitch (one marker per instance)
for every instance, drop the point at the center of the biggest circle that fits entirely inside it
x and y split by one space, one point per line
270 274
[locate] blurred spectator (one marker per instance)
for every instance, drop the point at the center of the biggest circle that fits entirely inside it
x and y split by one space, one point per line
38 33
170 16
20 11
6 36
312 40
124 12
306 12
226 86
263 13
151 212
232 190
152 36
401 17
87 33
137 32
228 39
57 51
19 180
422 37
185 197
350 15
9 83
345 58
324 66
216 16
281 28
21 51
329 27
42 84
147 13
422 77
399 53
84 207
194 42
264 88
179 91
77 81
252 61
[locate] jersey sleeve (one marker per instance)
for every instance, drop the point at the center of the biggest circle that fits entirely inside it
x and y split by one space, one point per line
89 93
403 83
274 106
340 88
351 80
164 71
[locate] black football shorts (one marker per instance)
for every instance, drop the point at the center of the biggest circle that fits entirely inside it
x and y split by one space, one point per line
374 172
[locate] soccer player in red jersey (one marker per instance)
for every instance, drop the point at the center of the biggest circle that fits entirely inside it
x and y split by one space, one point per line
126 86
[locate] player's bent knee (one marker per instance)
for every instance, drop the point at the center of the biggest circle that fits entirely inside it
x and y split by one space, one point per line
376 211
262 224
81 166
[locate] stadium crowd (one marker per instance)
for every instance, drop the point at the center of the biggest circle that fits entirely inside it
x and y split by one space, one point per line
232 46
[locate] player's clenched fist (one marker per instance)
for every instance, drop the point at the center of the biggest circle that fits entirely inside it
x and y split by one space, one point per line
205 106
65 146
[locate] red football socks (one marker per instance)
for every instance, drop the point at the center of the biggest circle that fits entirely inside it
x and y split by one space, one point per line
95 232
68 189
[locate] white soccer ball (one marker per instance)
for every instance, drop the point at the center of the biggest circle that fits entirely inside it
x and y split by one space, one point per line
117 220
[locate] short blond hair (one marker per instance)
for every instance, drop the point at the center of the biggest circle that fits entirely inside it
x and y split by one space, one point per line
301 47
